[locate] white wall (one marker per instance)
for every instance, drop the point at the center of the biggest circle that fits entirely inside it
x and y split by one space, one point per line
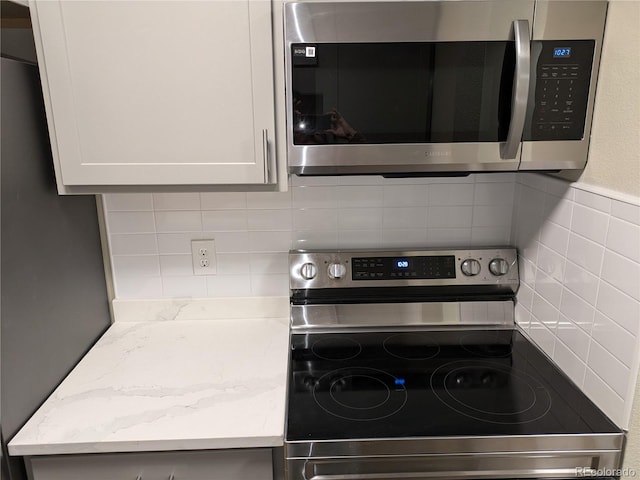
614 156
150 234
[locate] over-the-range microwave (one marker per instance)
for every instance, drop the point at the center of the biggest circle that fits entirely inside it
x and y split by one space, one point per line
440 87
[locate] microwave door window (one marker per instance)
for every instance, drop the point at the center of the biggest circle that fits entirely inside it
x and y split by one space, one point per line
377 93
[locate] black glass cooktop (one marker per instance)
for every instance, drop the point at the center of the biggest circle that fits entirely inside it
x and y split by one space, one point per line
431 383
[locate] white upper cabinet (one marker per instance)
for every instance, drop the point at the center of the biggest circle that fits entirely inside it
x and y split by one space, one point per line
158 92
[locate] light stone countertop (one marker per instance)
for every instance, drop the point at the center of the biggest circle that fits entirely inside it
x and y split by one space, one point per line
168 383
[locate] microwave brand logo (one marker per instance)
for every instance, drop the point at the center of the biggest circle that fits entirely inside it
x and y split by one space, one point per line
309 52
437 153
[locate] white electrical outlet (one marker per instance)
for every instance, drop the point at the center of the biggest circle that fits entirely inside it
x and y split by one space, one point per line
203 255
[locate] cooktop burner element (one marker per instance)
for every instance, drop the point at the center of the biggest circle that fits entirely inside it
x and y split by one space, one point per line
360 394
410 365
336 348
487 344
490 393
411 346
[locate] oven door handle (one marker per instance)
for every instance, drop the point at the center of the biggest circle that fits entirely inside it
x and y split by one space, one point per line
488 474
519 98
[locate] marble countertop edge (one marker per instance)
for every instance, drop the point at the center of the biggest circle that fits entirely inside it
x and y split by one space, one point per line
83 448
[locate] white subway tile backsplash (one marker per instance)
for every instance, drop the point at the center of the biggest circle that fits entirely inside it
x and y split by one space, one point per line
593 200
625 211
525 296
624 239
407 217
405 196
559 211
231 242
269 241
454 237
269 285
360 219
228 285
604 397
268 200
501 194
359 238
136 265
131 222
402 238
551 263
555 237
133 244
614 338
540 334
184 221
569 363
452 194
492 216
545 312
581 282
559 188
269 220
138 287
590 223
315 197
573 337
595 341
269 263
307 239
223 200
176 265
607 367
585 253
577 310
548 288
622 273
184 286
620 307
176 201
449 217
320 219
118 202
233 264
360 196
490 236
226 220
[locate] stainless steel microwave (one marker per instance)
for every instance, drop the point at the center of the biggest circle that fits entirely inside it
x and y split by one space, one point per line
440 87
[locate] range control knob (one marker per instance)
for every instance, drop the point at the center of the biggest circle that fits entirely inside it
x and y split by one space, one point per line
337 270
499 267
470 267
308 271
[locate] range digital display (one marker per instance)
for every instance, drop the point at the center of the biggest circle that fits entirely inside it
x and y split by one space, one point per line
401 263
562 52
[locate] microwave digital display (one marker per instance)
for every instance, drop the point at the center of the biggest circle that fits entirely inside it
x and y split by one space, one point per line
562 52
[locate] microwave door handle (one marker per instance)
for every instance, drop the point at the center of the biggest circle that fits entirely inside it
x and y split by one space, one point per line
509 149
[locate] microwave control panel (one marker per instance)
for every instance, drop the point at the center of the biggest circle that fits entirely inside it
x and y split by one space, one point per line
560 89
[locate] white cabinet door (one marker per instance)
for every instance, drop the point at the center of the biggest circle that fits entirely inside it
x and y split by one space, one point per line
249 464
158 92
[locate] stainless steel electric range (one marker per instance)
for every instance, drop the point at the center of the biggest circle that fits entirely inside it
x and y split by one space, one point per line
409 365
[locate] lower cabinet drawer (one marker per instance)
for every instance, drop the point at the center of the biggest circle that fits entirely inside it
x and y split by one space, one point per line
241 464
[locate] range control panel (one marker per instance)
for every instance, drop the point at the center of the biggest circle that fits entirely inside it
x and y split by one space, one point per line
560 89
409 267
349 268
